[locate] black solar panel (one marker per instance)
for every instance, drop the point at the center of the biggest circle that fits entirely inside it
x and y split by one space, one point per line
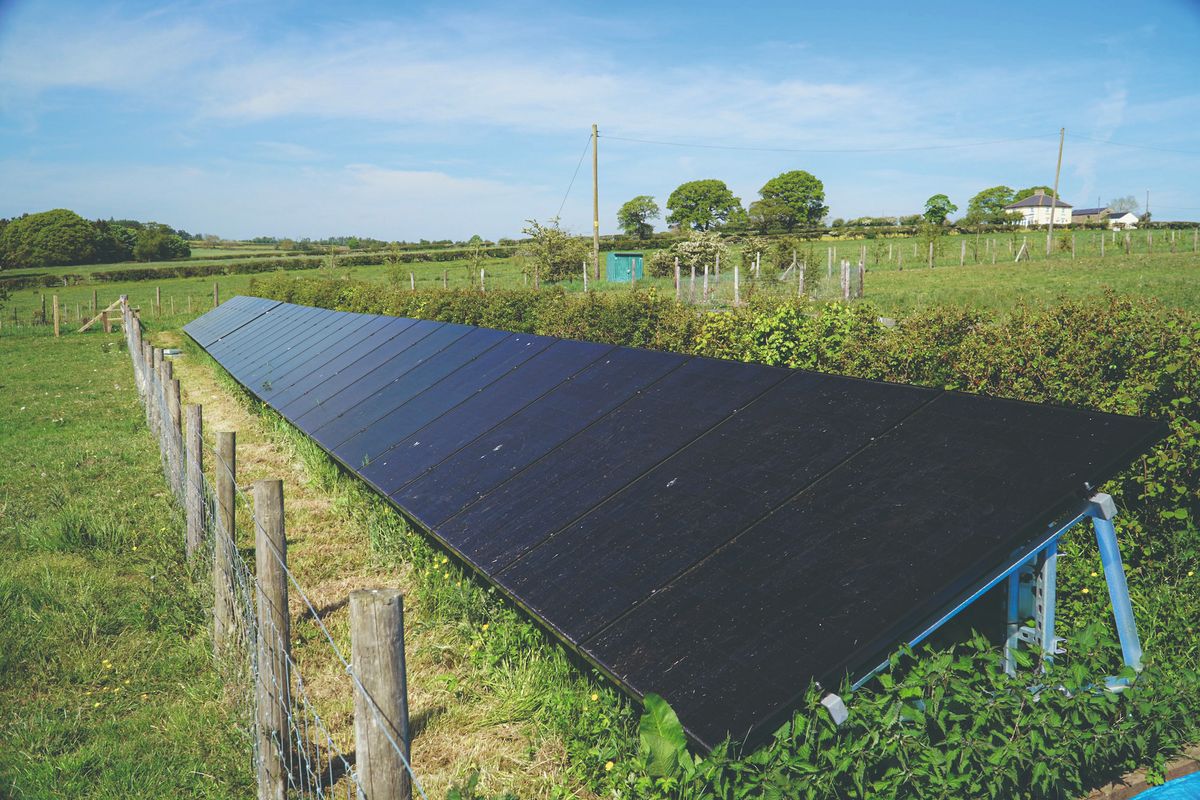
717 532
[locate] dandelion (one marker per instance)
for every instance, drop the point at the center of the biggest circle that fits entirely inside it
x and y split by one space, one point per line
127 681
608 766
1191 572
446 575
145 696
95 705
1085 591
135 548
595 697
483 627
1095 574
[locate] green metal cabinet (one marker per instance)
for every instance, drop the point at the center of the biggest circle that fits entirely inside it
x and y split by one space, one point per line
621 267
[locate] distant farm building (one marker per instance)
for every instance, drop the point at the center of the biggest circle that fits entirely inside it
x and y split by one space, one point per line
1035 210
1081 216
1123 220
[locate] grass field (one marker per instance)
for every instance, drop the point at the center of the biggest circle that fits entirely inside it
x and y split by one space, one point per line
896 280
106 686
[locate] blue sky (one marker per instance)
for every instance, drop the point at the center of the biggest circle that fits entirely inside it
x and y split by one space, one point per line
407 121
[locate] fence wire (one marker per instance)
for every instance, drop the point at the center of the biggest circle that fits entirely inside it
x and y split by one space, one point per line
313 763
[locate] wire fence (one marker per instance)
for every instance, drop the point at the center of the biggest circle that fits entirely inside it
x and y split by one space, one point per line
295 754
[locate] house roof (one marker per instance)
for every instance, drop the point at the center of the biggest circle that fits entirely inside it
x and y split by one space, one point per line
1036 200
1088 212
1119 214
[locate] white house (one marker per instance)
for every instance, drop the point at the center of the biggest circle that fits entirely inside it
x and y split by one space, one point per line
1035 210
1122 220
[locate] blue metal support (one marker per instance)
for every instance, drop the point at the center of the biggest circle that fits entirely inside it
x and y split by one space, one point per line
1031 582
1101 510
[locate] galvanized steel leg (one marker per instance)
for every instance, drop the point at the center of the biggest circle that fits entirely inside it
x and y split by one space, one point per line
1102 512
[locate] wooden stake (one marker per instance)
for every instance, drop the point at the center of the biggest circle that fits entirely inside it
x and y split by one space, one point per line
706 282
93 312
445 279
224 545
931 255
800 279
412 282
57 333
862 278
692 286
193 494
157 301
585 276
677 287
381 735
962 253
737 296
717 275
216 295
105 321
174 433
272 687
482 278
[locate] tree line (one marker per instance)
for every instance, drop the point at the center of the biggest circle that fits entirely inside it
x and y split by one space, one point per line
796 199
61 237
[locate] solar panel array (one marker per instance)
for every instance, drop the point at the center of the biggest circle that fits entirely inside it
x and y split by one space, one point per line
717 532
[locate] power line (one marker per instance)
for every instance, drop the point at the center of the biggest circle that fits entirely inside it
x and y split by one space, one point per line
574 175
835 150
1136 146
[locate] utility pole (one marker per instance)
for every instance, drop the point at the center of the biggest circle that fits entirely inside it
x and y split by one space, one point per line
1062 134
595 202
1147 204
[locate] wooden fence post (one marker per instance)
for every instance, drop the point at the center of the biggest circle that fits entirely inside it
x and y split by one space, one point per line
692 285
677 287
706 282
800 278
862 278
105 322
174 432
272 687
737 295
42 321
381 736
224 542
482 278
94 302
57 334
158 301
585 276
194 495
216 295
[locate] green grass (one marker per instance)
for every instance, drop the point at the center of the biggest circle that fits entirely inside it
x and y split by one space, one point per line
896 281
106 684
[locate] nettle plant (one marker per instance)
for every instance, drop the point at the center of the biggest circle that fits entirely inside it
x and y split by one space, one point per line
946 724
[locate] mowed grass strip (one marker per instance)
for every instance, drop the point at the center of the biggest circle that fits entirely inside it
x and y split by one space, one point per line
106 681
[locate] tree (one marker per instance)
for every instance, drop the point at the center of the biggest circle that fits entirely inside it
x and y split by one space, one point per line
1126 203
634 217
156 243
1031 191
556 254
767 214
702 205
801 194
938 208
987 207
48 239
